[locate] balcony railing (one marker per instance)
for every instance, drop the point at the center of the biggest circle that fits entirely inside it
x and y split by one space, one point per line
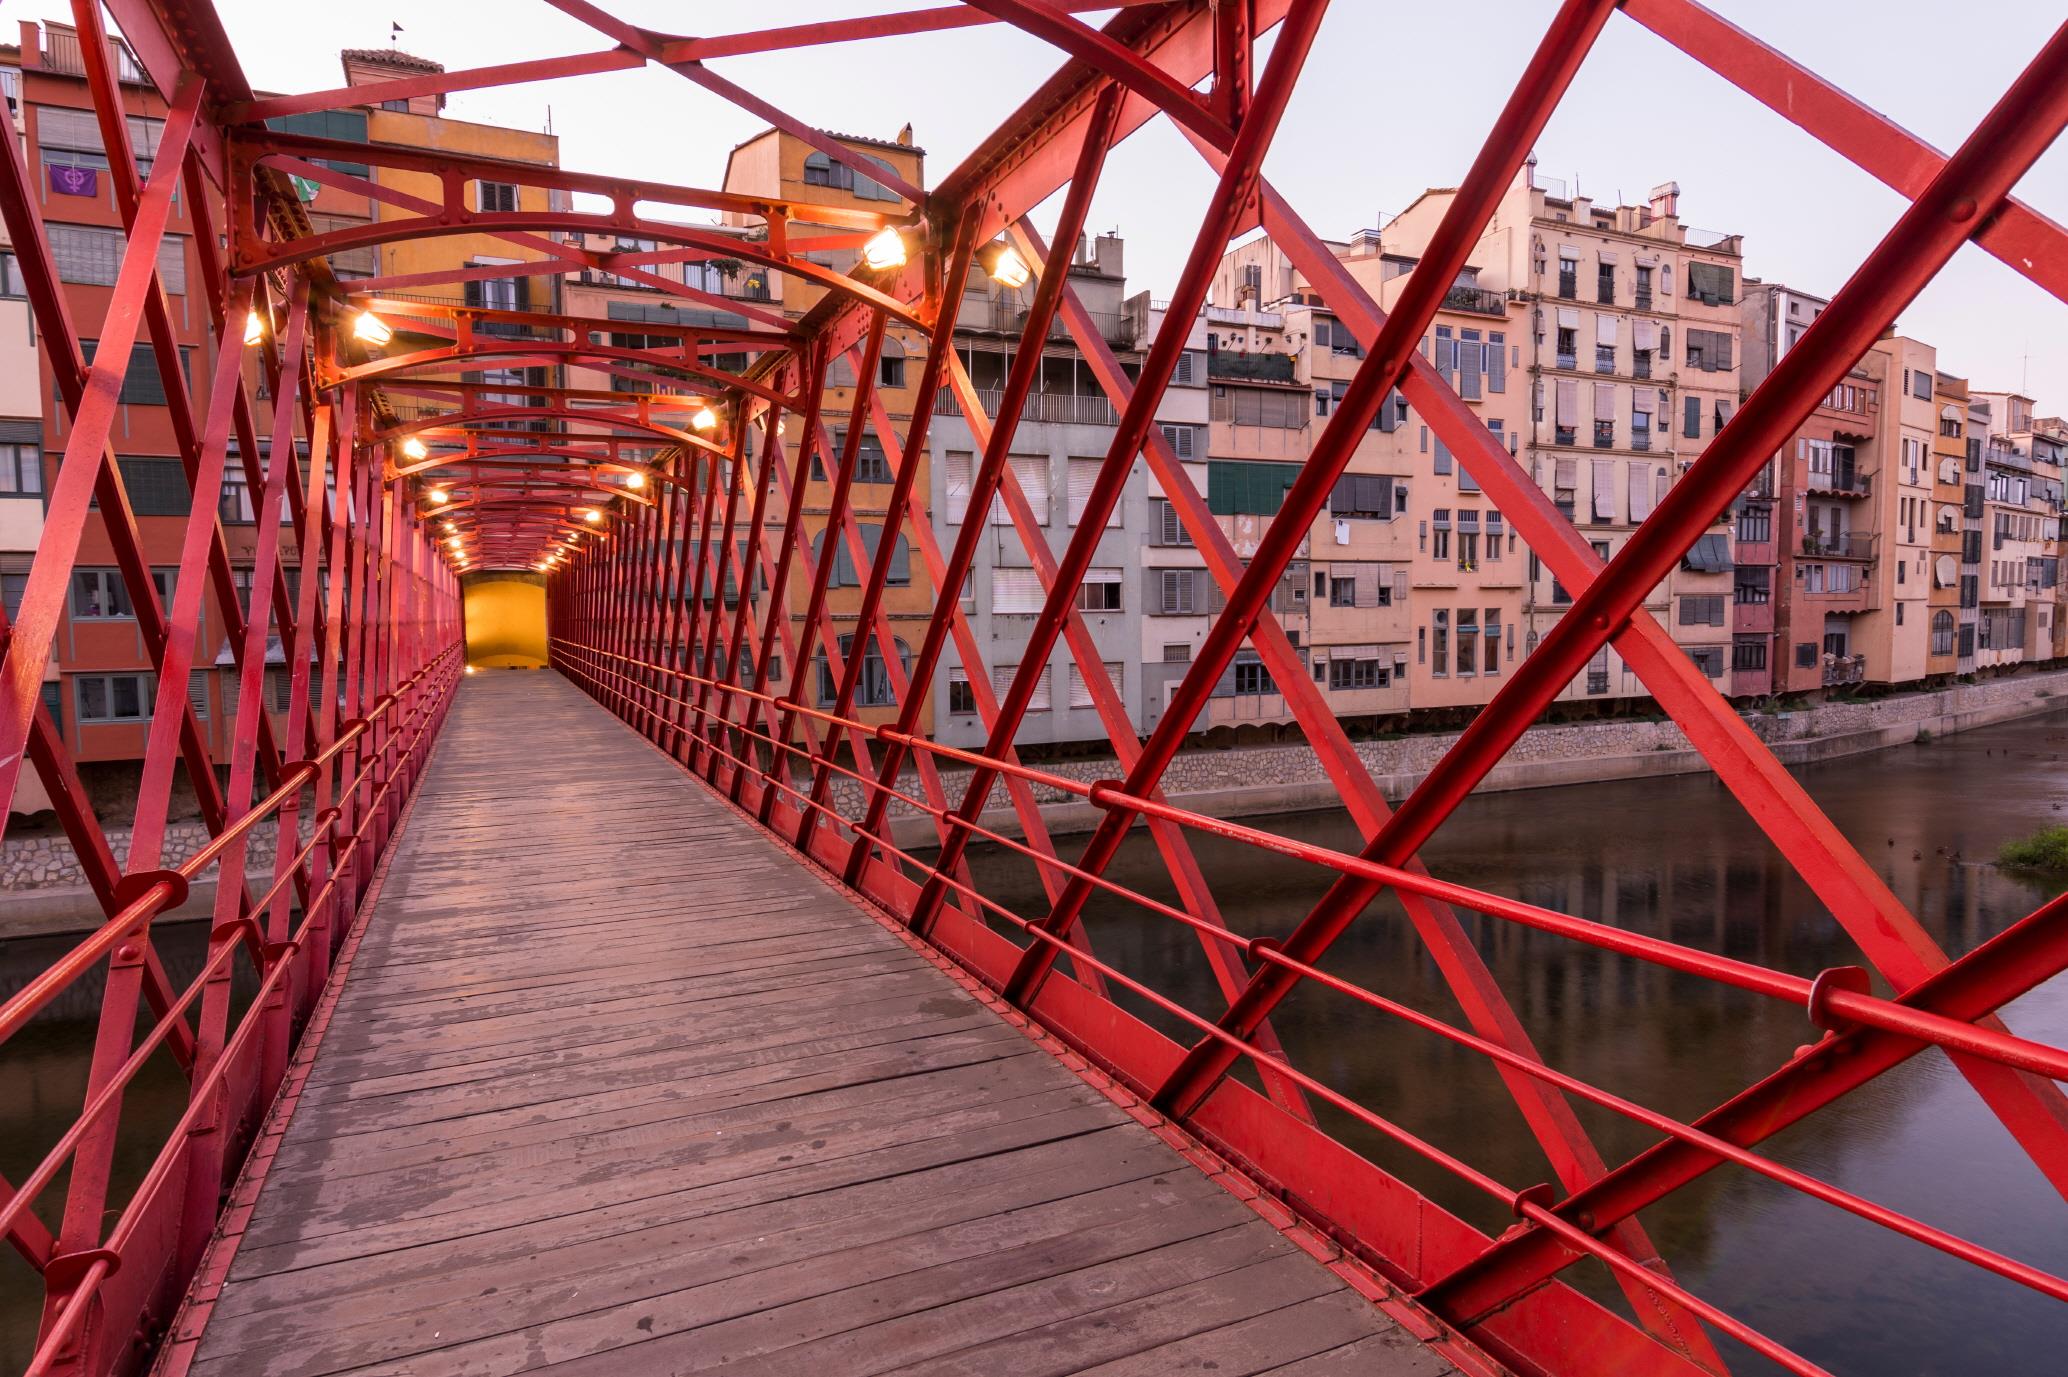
1478 300
1844 669
1851 545
1251 367
1063 408
1842 484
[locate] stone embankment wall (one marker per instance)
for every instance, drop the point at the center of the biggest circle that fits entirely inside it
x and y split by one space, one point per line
48 862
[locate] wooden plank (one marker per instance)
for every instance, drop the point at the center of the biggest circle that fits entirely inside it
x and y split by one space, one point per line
618 1086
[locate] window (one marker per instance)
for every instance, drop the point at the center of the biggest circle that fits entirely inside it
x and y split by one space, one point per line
1605 283
101 594
962 700
1251 678
1001 682
1362 672
21 470
820 169
1711 283
114 697
1748 652
1164 526
1274 408
1440 545
1082 475
890 372
11 284
1942 633
1468 640
1080 690
495 196
1439 642
1362 496
1491 663
1183 440
1709 350
92 256
845 575
1100 591
1177 592
872 690
1342 592
871 464
1753 586
1756 523
142 383
1568 347
1568 277
1177 653
1244 488
1708 659
1705 609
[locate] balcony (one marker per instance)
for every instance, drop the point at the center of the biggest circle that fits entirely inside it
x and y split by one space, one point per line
1841 484
1062 408
1844 669
1477 300
1851 545
1262 367
1644 300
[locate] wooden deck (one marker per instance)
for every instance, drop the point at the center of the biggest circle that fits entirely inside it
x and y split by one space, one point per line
616 1086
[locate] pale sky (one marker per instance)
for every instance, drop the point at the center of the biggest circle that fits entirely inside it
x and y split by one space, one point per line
1395 98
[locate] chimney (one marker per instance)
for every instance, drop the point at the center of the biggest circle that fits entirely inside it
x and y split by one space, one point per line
1666 199
905 135
1106 251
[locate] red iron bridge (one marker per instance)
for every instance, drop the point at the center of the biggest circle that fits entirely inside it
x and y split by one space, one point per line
577 1022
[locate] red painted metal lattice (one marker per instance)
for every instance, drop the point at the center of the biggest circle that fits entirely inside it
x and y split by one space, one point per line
672 609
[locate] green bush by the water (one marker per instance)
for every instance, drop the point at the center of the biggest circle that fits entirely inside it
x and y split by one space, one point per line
2046 849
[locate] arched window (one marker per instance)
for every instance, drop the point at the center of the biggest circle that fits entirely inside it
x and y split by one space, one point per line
845 575
1942 633
822 170
872 690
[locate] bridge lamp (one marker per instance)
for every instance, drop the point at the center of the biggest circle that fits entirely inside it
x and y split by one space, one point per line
885 249
371 329
413 448
470 669
704 421
441 495
1004 264
450 527
635 481
254 328
591 515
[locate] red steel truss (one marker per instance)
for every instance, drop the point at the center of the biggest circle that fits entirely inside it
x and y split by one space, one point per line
669 517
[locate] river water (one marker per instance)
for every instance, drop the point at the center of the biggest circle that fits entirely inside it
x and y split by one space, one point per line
1672 857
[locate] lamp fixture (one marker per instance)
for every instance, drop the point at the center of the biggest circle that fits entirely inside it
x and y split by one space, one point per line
371 329
1004 264
254 328
635 481
704 420
885 249
413 448
441 495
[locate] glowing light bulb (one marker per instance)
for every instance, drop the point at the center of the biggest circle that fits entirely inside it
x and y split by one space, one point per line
704 420
1004 265
413 448
441 495
591 515
635 481
254 328
371 329
885 249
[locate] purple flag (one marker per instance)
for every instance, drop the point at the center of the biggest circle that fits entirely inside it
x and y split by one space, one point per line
75 181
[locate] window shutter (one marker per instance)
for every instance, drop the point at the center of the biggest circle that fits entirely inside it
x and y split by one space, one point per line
76 131
1568 413
1497 362
961 475
1016 592
1442 456
1640 491
1471 368
1400 587
1215 599
1084 475
1605 489
1446 356
197 693
1691 418
1605 330
1032 472
1001 681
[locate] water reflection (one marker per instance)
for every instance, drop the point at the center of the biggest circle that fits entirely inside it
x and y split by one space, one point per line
1677 858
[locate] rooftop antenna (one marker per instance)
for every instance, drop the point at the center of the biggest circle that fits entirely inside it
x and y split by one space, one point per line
394 33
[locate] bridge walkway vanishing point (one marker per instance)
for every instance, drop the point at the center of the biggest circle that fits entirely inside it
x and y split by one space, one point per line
615 1085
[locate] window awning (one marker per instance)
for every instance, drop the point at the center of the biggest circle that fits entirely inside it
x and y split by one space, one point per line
1711 554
